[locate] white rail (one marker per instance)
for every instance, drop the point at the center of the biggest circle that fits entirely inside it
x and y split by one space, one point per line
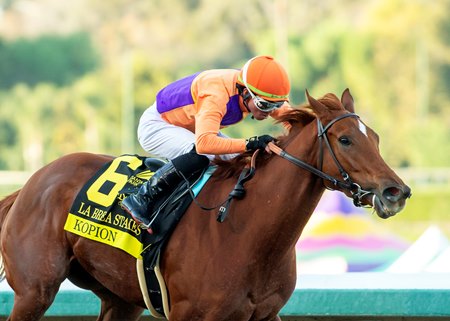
8 178
425 177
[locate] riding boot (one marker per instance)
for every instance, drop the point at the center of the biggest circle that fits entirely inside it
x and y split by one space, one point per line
138 205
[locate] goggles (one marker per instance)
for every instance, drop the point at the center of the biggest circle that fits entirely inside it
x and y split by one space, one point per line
264 105
260 103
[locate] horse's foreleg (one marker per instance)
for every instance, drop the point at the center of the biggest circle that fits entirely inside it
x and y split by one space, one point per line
114 308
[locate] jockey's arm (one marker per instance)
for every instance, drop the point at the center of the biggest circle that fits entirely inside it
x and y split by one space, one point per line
207 126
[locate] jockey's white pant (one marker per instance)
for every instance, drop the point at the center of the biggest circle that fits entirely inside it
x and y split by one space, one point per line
159 138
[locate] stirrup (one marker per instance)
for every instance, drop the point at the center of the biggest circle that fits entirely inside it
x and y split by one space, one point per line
148 227
140 224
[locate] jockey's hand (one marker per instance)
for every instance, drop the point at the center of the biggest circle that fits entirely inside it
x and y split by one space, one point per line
258 142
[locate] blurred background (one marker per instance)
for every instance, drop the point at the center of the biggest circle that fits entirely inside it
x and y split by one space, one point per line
76 76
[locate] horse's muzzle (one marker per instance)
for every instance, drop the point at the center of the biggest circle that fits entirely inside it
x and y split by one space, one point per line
391 200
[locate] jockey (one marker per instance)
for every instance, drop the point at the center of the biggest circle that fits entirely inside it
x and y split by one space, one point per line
184 123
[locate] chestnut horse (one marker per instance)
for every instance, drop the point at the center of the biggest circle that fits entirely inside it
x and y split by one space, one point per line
241 269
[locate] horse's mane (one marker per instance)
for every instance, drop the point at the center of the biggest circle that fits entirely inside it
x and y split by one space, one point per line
331 101
295 120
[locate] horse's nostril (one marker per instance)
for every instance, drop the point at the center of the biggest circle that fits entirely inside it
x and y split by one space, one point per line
393 191
393 194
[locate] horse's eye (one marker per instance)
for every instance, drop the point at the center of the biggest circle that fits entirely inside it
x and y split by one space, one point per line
344 140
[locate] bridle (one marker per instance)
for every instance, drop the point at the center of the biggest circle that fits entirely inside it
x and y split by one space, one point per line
238 191
355 189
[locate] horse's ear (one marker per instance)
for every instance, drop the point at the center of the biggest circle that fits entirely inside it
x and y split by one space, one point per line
347 100
317 106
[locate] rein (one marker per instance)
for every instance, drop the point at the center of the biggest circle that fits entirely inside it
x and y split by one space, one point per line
238 191
356 191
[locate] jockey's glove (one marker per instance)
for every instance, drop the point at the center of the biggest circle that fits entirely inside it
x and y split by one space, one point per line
258 142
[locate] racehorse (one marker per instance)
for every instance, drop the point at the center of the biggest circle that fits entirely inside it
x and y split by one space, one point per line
241 269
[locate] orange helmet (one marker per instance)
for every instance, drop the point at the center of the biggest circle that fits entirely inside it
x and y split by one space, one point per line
266 78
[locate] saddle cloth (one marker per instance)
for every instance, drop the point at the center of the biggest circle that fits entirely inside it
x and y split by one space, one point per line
96 214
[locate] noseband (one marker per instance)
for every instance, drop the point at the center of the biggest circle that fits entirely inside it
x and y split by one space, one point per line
356 191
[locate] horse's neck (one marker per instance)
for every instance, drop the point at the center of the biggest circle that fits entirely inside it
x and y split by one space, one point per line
296 193
288 196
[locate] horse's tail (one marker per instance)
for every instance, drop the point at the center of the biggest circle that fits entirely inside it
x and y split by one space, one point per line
5 206
2 269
